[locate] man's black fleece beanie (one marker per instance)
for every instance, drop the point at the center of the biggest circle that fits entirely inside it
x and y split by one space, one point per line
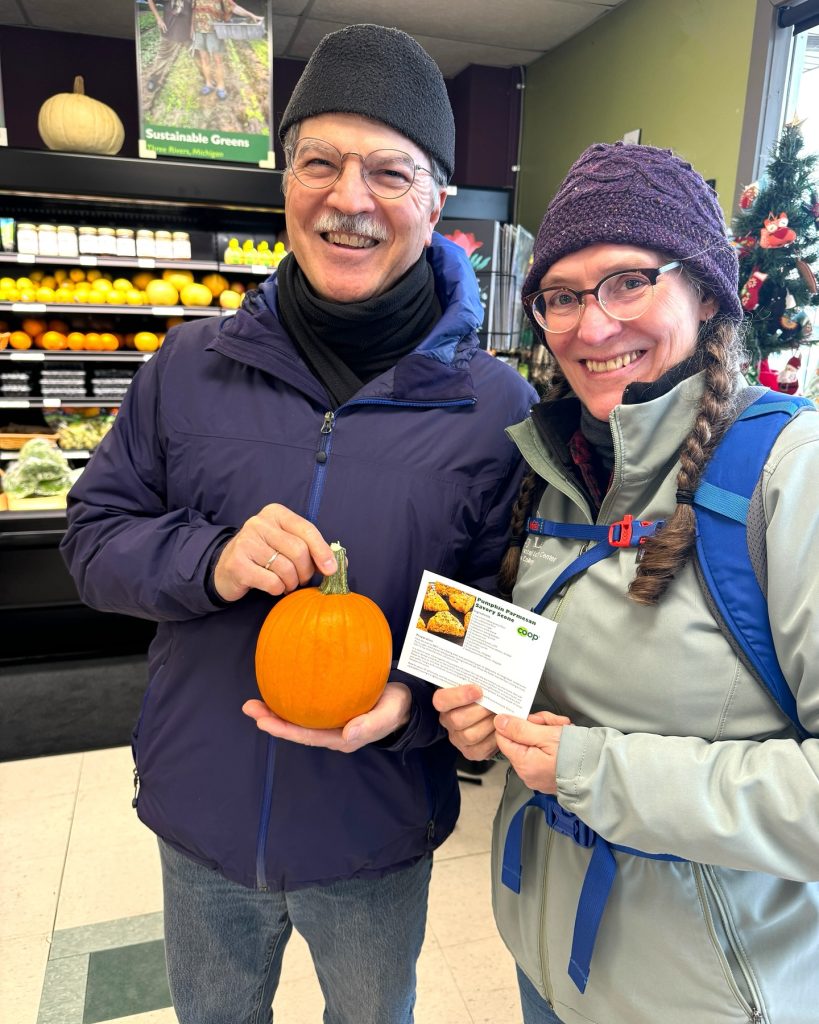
380 73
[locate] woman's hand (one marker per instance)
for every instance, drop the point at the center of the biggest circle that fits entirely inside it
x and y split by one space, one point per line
531 747
391 712
470 726
275 551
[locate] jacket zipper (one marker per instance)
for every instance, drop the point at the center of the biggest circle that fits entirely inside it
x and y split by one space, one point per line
705 880
322 458
264 821
135 799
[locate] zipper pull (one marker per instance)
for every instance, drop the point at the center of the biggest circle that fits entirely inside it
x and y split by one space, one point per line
136 788
329 420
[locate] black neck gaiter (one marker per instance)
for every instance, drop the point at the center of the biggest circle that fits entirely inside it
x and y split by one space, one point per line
347 344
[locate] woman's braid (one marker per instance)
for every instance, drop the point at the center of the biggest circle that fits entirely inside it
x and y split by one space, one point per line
667 552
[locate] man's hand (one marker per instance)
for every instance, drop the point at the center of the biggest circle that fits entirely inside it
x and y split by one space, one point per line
471 727
531 747
275 551
391 712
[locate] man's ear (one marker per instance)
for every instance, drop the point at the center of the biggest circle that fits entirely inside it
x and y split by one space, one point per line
435 214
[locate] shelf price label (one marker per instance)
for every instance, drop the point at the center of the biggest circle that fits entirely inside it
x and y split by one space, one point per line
28 307
52 403
26 257
14 403
146 262
167 310
27 357
260 268
88 261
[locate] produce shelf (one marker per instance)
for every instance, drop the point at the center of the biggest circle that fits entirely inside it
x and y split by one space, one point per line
12 456
31 355
87 307
141 263
60 403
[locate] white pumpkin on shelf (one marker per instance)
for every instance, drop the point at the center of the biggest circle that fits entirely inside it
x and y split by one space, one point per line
72 122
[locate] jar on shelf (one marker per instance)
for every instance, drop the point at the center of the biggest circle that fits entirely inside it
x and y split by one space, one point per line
47 240
27 239
67 246
145 243
107 241
181 245
126 242
87 241
164 245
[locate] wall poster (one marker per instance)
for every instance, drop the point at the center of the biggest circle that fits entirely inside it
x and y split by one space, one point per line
205 79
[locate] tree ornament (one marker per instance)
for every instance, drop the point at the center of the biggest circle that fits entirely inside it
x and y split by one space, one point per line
747 196
744 245
775 232
791 323
749 294
807 275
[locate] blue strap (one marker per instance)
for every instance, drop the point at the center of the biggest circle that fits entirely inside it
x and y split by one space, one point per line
596 885
627 532
726 503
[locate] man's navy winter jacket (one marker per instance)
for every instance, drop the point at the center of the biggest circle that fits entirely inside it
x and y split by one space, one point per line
414 472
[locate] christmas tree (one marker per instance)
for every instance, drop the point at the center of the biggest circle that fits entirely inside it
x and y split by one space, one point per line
777 242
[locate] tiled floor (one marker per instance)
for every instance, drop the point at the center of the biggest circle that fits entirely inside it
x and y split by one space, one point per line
81 921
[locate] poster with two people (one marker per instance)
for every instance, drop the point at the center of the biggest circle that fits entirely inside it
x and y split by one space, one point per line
205 79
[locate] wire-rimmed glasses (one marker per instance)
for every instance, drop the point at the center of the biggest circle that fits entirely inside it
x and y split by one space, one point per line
387 173
622 295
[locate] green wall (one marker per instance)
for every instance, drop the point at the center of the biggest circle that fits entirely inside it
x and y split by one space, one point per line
676 69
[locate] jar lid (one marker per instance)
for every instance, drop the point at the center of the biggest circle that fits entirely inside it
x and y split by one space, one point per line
85 230
144 232
180 235
26 227
162 234
125 232
105 231
46 227
66 227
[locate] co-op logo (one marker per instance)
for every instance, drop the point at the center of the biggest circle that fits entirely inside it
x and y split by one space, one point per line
523 631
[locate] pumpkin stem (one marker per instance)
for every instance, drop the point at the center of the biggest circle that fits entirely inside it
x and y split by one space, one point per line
79 86
337 583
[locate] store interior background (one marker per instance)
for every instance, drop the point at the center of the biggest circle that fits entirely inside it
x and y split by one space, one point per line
689 74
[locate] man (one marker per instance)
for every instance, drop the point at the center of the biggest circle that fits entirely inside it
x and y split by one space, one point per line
174 24
348 399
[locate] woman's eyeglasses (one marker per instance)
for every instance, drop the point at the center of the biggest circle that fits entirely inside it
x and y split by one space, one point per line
387 173
623 295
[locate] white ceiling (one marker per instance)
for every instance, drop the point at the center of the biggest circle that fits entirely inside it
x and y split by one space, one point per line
456 33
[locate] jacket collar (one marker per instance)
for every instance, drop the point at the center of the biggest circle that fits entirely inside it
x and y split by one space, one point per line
437 370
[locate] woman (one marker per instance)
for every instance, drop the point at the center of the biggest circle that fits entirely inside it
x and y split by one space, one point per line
648 729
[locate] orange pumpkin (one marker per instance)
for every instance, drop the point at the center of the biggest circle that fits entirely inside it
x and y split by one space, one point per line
324 653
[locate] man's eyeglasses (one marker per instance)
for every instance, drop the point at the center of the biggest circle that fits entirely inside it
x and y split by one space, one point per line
623 295
387 173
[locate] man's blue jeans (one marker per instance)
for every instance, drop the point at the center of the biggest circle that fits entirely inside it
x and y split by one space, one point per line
535 1008
224 943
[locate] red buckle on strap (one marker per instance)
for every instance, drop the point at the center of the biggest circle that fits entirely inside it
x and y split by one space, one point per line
620 532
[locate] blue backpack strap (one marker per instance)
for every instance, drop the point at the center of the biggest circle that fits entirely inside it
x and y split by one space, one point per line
721 504
597 883
627 532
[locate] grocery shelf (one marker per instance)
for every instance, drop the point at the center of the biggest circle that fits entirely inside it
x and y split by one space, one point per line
31 355
87 307
132 263
245 268
13 455
89 402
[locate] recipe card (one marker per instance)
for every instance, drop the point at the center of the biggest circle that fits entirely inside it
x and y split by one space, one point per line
460 635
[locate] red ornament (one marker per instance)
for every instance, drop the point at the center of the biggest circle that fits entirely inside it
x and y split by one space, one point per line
748 195
744 245
749 293
776 232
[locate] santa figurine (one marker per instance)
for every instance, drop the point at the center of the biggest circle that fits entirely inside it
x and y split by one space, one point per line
787 380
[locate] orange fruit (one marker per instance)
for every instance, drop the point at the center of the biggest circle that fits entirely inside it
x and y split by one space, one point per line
19 340
110 342
146 341
76 341
93 342
4 339
161 293
53 340
33 327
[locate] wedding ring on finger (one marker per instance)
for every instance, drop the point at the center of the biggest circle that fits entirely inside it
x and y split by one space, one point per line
271 560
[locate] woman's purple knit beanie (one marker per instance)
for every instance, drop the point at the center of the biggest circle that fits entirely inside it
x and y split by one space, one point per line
643 196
